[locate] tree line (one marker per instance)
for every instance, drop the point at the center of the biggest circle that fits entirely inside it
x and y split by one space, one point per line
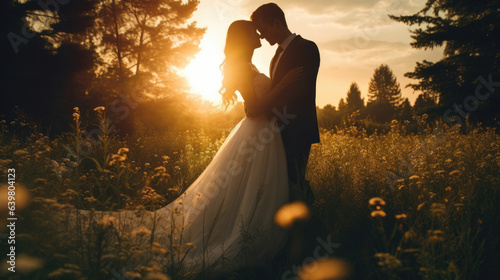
463 84
122 54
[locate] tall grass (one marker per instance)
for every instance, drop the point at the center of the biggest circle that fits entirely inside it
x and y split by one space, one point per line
434 216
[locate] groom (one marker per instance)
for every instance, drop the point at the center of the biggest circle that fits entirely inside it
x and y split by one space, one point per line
295 107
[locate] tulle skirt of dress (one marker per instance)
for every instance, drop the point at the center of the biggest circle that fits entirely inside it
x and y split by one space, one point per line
225 219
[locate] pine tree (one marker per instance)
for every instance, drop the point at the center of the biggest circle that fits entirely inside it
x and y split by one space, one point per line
405 110
342 105
384 87
470 34
353 99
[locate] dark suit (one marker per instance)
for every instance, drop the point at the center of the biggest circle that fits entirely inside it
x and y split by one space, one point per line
300 128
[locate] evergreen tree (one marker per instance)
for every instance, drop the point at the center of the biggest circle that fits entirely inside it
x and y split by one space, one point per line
422 104
353 99
470 32
342 105
405 110
384 87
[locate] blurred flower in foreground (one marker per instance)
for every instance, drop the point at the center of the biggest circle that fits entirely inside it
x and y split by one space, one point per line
142 230
291 212
331 269
19 192
376 205
156 275
25 264
378 213
376 201
401 217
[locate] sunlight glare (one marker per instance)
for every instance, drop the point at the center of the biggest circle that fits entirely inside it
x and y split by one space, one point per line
203 72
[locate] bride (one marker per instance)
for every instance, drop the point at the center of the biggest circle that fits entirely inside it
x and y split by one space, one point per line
225 219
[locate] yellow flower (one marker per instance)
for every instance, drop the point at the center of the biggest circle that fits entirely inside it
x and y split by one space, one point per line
122 151
437 209
160 169
376 201
99 109
291 212
142 230
388 261
401 217
330 268
436 235
107 221
378 213
119 157
421 205
414 177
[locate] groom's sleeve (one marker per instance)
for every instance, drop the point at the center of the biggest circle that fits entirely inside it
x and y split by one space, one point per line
310 61
308 57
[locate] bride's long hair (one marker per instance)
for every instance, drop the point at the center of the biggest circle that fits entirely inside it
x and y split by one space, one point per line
237 45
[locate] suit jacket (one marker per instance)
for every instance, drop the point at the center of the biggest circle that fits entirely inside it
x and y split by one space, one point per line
299 100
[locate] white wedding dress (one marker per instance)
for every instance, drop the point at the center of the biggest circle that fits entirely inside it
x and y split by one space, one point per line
225 219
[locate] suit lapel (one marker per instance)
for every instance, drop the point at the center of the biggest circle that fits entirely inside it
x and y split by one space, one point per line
284 60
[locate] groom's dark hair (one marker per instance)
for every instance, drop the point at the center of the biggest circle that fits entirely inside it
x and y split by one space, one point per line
268 13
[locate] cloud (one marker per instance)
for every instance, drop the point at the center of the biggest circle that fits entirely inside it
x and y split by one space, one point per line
353 44
333 6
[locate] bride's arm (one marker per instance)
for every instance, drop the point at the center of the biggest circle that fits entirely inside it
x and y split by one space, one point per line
260 106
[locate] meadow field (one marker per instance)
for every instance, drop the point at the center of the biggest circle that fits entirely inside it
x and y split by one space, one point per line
400 205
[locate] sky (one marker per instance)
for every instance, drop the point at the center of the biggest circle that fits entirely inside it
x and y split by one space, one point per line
353 36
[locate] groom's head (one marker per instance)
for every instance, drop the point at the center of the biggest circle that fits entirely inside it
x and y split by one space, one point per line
270 21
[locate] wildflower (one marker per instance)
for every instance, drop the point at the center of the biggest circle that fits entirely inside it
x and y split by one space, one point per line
401 217
388 261
158 248
410 235
90 199
122 151
21 152
119 157
26 264
437 209
439 172
421 205
329 268
22 196
291 212
378 213
99 109
375 201
160 169
414 177
436 235
142 230
107 221
156 275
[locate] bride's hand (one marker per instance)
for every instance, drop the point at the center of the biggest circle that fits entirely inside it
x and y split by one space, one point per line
292 76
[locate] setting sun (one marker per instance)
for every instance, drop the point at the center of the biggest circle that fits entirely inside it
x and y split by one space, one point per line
203 72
